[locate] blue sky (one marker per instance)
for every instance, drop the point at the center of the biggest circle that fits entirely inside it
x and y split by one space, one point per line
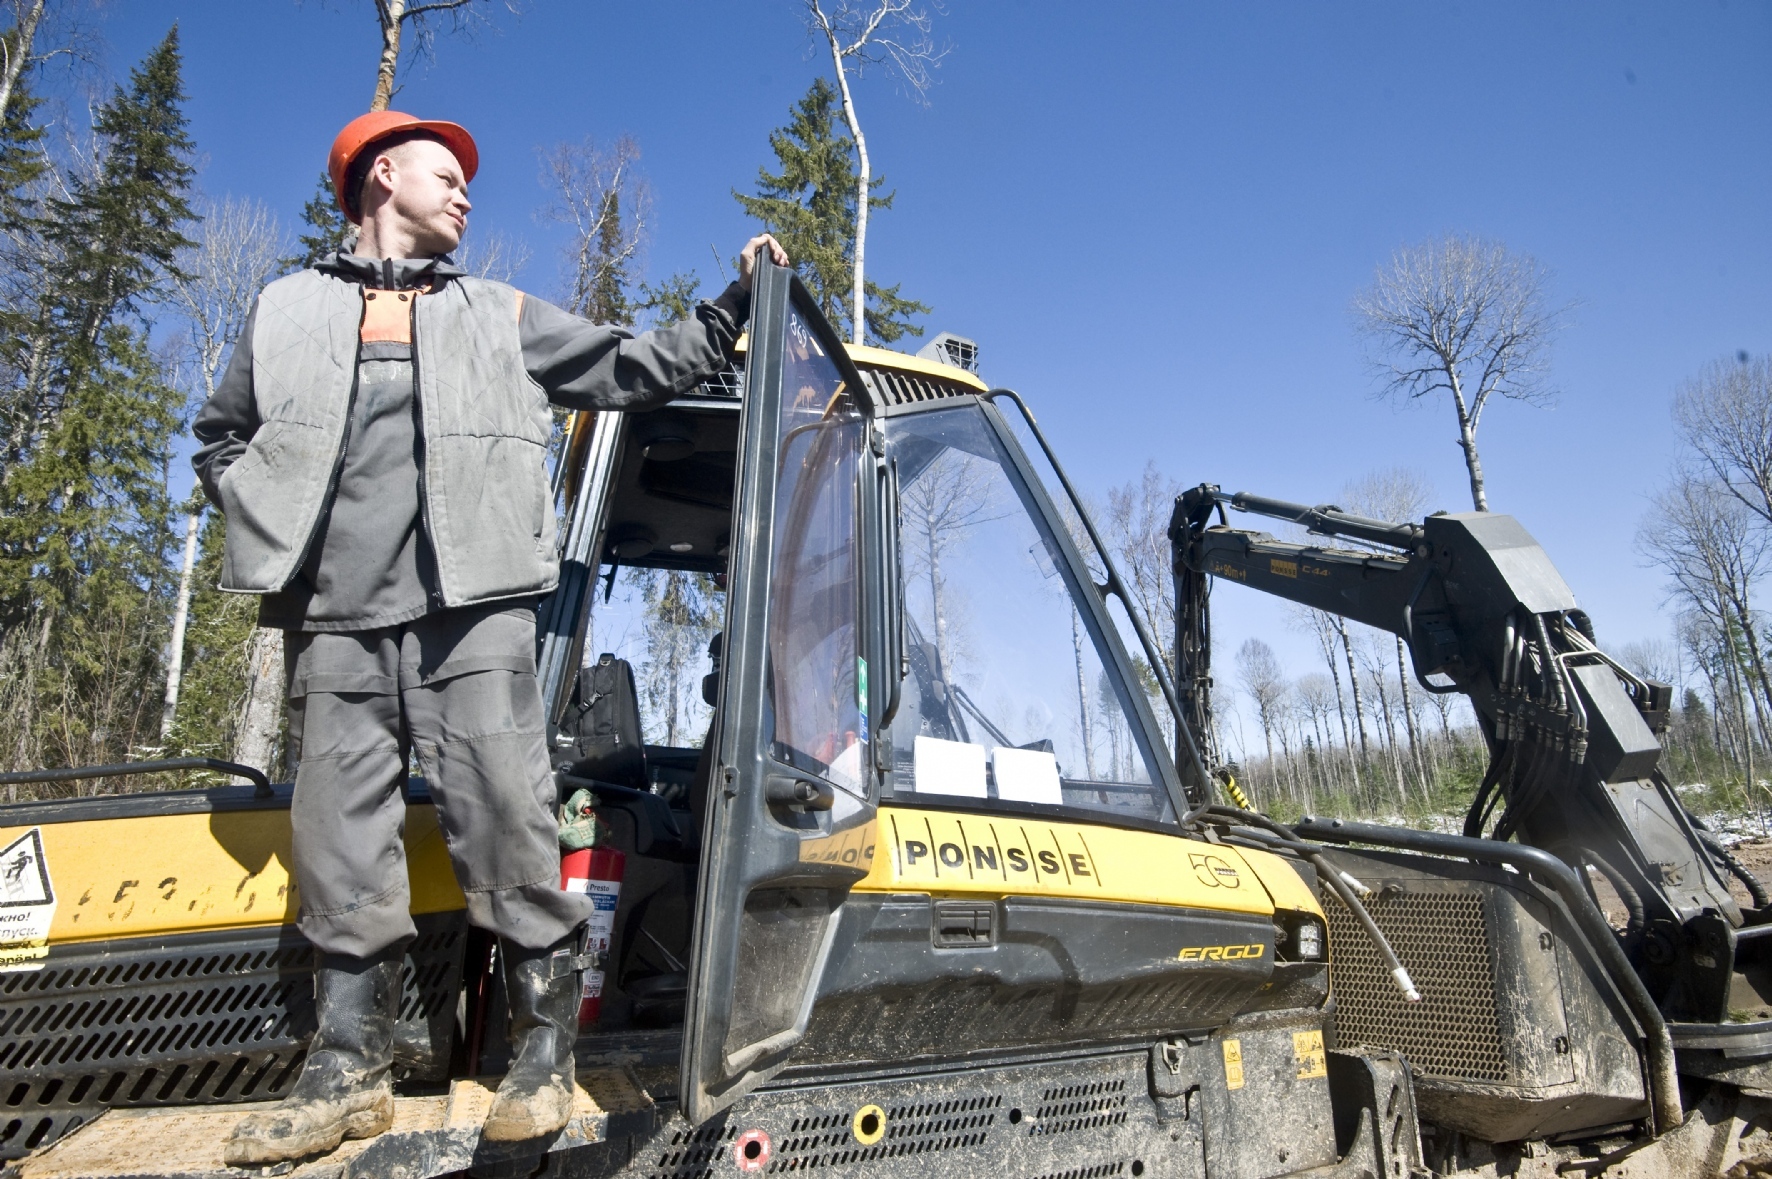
1153 217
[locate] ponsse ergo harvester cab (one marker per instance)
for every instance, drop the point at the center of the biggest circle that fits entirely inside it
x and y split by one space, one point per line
937 892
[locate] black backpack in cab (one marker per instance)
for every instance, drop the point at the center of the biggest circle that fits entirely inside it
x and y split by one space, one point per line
602 725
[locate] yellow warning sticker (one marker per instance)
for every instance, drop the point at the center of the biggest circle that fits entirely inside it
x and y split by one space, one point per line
1233 1064
1307 1049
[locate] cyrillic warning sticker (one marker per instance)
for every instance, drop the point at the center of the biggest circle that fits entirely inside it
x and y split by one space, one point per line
1233 1064
27 903
1307 1048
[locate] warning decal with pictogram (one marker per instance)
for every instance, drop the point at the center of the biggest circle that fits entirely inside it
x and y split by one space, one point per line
27 903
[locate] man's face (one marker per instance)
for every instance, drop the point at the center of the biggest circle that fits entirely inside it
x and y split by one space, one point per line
426 194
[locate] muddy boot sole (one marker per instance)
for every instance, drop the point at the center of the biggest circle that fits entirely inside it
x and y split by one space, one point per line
315 1127
523 1117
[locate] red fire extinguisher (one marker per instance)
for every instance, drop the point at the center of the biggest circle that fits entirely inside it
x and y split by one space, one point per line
595 872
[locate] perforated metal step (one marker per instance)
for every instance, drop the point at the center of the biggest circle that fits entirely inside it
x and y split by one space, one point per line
200 1019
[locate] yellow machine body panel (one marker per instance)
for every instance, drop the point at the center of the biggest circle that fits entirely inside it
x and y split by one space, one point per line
944 852
170 874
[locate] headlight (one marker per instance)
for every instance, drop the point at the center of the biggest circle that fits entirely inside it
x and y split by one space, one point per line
1307 941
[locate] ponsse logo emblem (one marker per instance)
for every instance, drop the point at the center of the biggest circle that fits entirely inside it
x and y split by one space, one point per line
1221 953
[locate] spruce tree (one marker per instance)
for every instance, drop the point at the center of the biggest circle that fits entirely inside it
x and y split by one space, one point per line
330 231
671 300
84 537
810 208
607 300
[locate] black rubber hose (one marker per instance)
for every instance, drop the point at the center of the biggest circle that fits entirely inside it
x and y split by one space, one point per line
1735 867
1633 903
1275 834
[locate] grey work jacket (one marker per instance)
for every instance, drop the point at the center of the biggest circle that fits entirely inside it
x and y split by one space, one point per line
484 424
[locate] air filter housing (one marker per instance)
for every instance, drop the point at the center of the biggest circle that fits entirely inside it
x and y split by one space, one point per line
947 348
1518 1032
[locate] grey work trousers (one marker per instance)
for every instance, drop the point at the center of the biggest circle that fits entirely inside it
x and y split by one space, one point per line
458 687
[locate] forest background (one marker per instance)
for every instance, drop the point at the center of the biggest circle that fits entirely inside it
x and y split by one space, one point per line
1154 219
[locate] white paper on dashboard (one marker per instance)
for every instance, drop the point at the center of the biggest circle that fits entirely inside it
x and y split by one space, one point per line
950 767
1027 775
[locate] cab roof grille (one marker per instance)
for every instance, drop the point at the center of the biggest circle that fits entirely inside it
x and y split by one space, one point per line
901 388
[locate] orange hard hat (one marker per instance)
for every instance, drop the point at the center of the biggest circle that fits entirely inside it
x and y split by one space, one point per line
365 131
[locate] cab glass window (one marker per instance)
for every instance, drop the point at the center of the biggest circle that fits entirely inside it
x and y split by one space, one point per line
817 677
1007 699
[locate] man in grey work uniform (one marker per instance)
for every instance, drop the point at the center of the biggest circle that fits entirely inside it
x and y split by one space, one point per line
377 446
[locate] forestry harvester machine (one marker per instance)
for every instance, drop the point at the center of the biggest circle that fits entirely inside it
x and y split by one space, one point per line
943 889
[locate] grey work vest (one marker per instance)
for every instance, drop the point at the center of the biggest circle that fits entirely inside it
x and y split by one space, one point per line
484 423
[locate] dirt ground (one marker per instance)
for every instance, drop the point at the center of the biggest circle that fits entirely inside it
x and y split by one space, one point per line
1755 853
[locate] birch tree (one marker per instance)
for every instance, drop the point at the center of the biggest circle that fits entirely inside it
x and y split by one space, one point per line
1399 495
1466 318
600 196
423 20
1266 684
1706 540
1725 416
20 48
889 33
238 250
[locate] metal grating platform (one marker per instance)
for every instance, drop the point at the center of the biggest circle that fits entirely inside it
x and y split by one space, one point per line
222 1017
1444 941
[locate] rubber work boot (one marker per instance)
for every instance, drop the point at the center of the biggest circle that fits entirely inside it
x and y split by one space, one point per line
344 1090
535 1098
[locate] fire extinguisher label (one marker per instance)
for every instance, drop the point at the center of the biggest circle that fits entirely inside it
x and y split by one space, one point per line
600 929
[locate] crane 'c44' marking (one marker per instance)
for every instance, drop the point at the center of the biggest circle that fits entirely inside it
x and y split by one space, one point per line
1221 953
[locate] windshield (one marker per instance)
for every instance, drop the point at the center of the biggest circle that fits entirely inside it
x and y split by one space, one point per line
1009 699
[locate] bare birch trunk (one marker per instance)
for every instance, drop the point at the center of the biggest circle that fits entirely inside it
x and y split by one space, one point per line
20 54
1409 718
175 655
1082 696
1467 442
1347 737
391 13
261 714
1353 679
857 332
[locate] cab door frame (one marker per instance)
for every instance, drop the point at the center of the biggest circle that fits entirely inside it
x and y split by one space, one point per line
782 844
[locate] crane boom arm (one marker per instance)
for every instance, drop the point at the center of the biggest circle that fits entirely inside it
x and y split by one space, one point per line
1572 735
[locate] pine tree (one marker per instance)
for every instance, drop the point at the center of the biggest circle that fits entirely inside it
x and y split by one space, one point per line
84 537
810 208
331 232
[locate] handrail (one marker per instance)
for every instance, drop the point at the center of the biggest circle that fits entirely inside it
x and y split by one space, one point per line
122 769
1664 1081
